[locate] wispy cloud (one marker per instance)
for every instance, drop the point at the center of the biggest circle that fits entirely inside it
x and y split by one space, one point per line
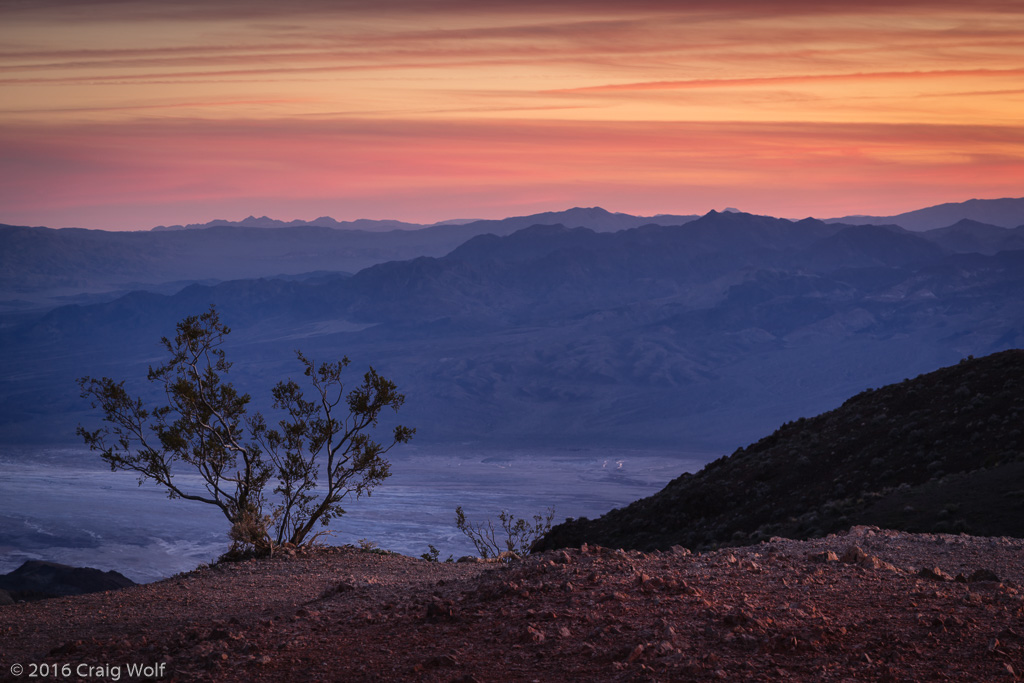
123 102
794 80
203 10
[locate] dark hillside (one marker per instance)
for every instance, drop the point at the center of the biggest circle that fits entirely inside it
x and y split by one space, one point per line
867 246
968 236
940 453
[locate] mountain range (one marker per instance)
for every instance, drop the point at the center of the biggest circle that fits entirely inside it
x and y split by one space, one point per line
695 337
43 268
1004 213
594 218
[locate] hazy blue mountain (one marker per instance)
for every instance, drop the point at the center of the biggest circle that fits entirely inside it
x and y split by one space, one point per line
1005 213
704 334
594 218
967 236
866 246
321 222
41 267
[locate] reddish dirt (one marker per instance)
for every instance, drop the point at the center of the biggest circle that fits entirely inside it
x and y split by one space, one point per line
781 610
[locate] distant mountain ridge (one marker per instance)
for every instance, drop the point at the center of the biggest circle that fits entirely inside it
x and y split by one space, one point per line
594 218
41 267
1004 213
321 222
44 267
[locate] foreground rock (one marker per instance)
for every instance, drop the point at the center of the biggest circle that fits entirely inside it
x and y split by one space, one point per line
866 605
38 580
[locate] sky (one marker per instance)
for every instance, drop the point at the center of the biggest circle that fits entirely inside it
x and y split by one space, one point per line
125 115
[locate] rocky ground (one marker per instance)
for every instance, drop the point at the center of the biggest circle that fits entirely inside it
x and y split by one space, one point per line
865 605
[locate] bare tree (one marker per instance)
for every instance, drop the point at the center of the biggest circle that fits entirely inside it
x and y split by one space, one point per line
204 428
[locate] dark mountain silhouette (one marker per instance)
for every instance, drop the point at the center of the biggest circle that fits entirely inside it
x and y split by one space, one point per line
707 333
867 246
38 580
594 218
971 236
943 452
1005 213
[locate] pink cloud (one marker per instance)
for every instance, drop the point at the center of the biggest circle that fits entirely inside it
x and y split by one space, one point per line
430 171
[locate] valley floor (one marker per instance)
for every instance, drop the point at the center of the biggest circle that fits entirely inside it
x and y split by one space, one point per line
866 605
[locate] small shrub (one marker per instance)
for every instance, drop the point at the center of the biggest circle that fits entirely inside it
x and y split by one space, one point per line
251 534
515 538
434 555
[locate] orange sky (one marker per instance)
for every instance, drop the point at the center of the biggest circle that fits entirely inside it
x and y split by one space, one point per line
126 115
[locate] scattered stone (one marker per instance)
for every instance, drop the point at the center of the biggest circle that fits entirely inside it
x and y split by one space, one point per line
438 611
826 556
615 596
856 555
934 574
983 575
533 635
341 587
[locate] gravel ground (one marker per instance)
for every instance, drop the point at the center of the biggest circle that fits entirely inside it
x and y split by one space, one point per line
867 605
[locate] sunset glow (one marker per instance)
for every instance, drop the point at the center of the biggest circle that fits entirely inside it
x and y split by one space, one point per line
125 115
